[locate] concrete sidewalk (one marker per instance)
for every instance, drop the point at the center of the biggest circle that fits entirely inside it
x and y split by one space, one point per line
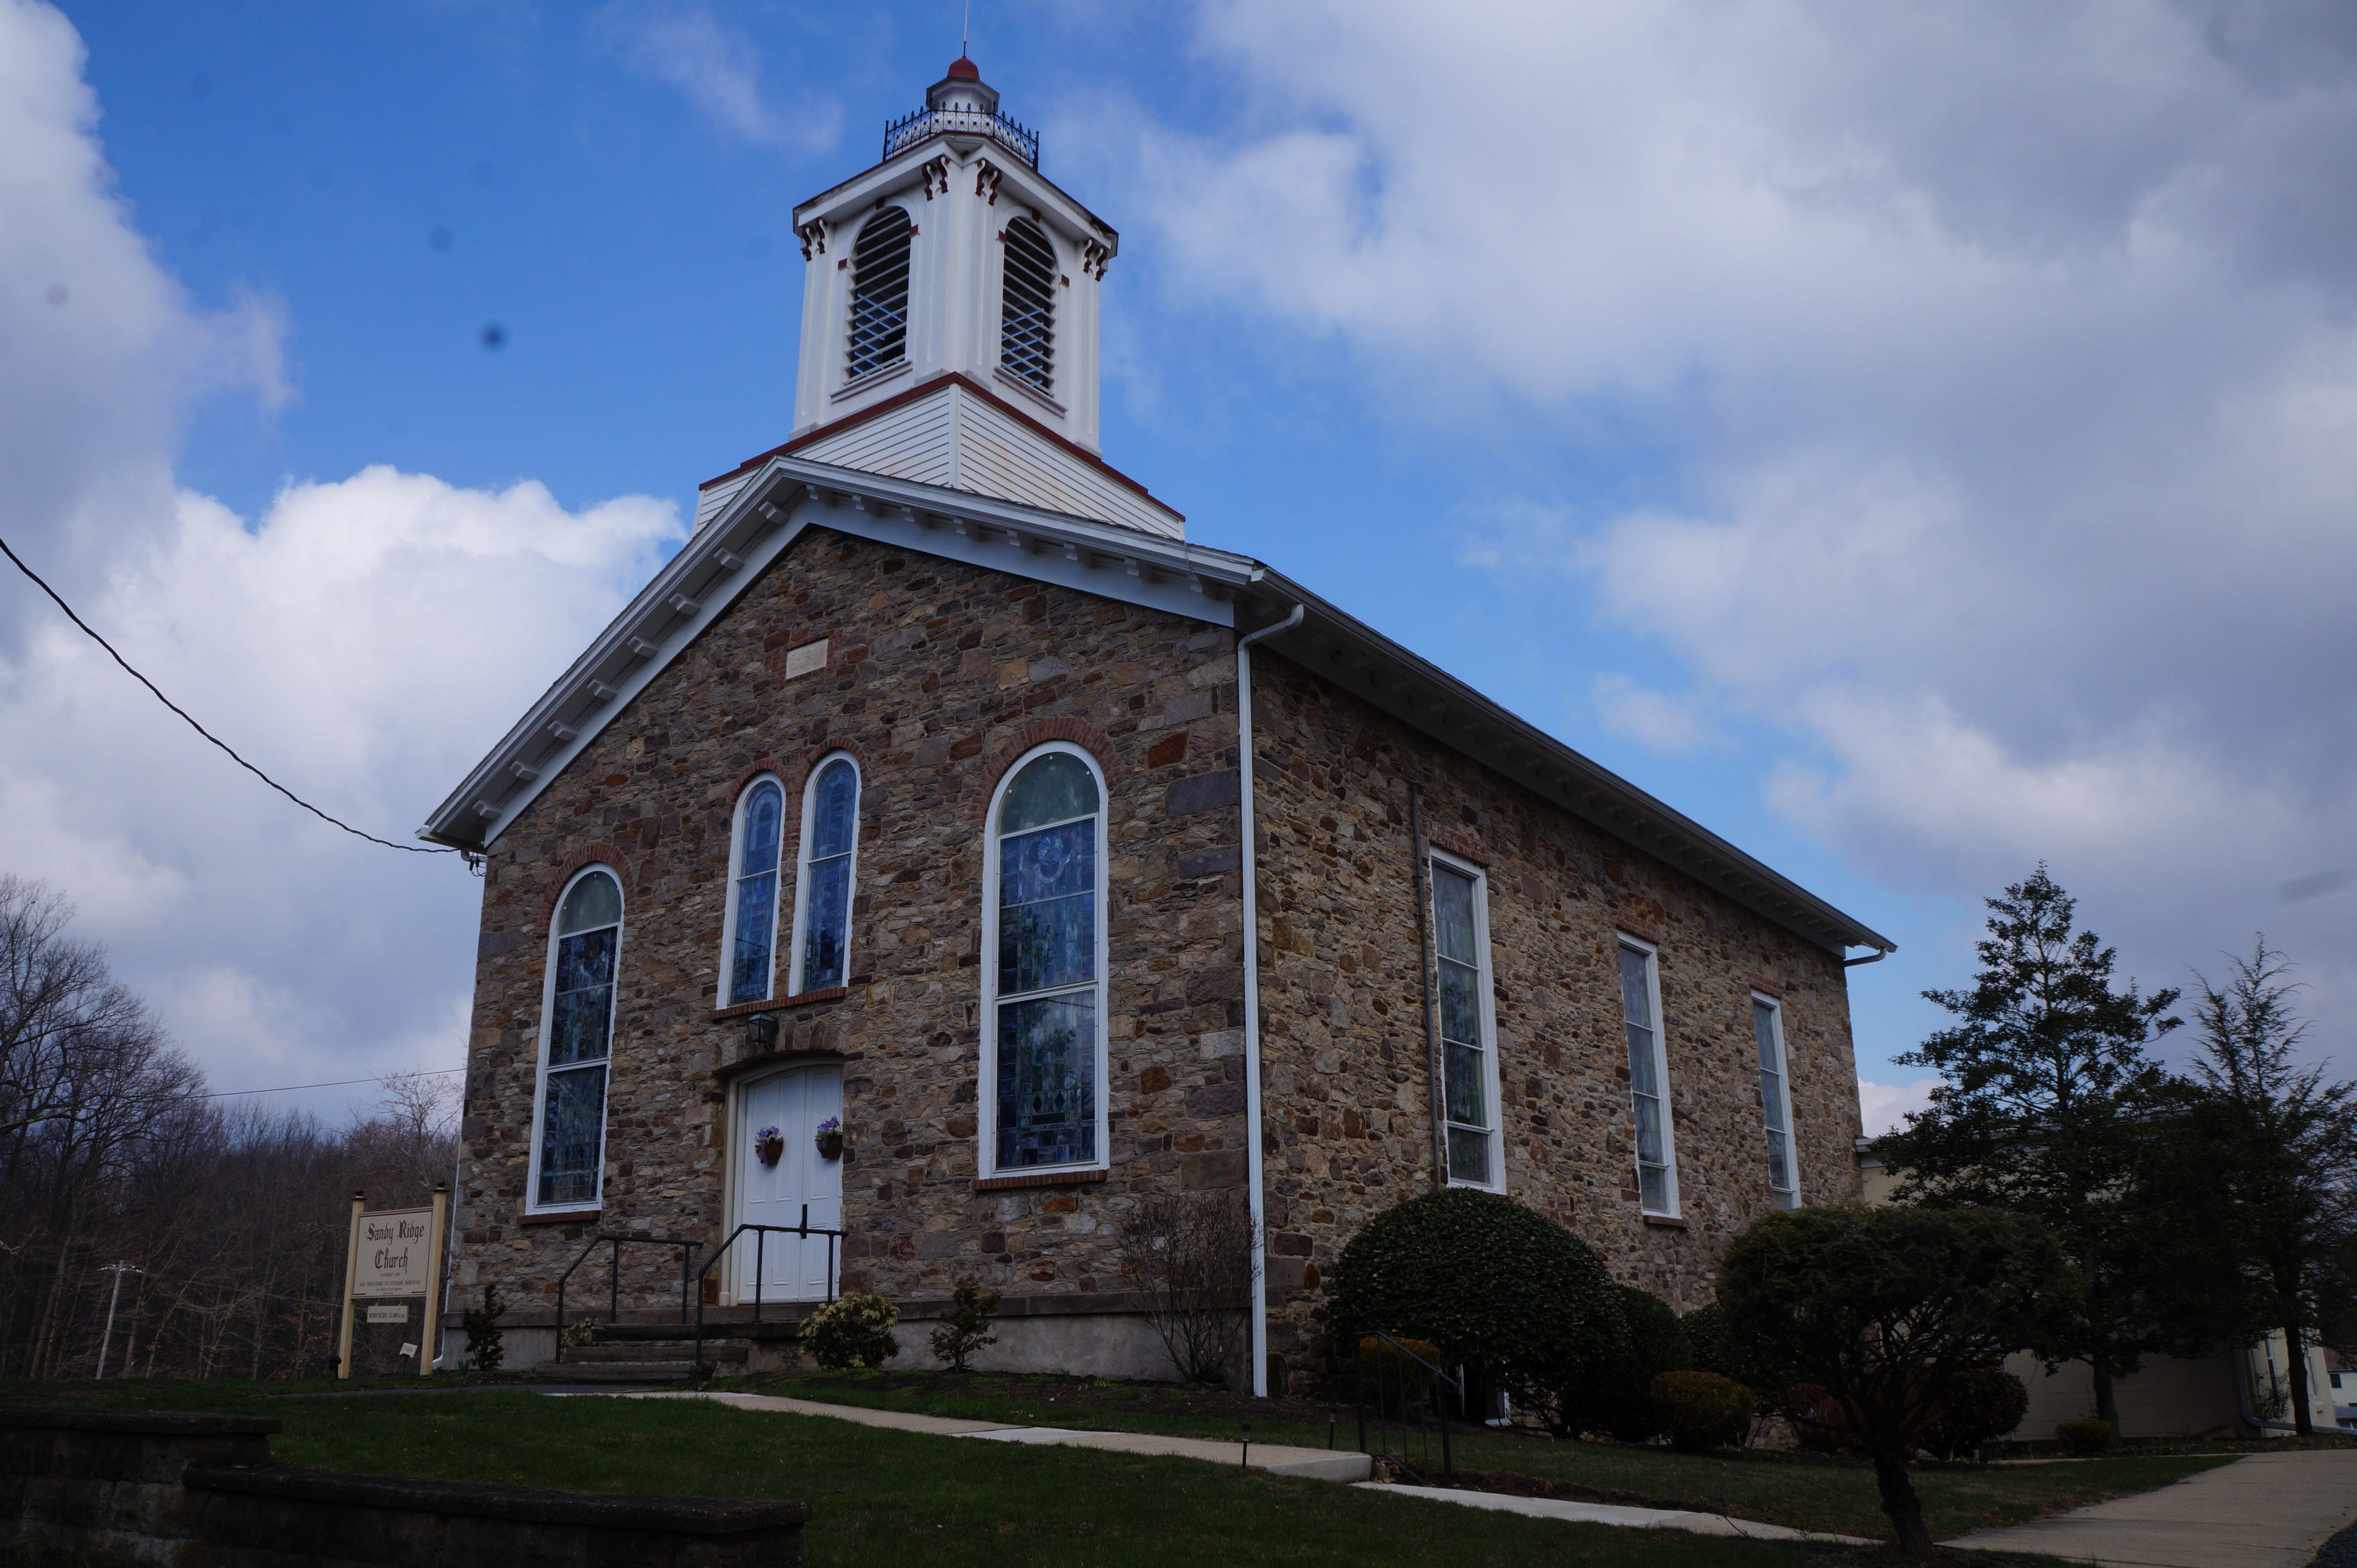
1315 1463
1614 1513
2264 1510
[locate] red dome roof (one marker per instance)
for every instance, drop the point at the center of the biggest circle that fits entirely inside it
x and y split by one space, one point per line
964 70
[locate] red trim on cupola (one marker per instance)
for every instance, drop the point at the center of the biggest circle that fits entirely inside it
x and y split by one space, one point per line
964 70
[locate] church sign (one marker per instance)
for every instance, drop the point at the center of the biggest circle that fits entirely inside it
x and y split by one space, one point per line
395 1256
392 1257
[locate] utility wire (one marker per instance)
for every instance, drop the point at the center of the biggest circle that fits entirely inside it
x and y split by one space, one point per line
241 762
340 1083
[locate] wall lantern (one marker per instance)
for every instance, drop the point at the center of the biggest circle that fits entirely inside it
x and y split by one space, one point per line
760 1033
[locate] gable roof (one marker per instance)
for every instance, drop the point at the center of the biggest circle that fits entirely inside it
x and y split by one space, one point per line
787 495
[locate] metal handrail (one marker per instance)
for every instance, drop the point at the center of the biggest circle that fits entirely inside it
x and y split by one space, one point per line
761 1241
1432 1397
911 128
614 1301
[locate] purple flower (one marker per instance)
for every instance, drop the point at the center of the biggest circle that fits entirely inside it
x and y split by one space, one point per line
832 1124
767 1133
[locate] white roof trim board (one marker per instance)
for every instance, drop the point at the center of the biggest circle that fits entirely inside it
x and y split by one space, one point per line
787 495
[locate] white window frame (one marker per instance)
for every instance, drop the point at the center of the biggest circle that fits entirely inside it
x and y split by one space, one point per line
1775 1006
1488 986
986 1091
801 865
728 912
532 1203
1623 940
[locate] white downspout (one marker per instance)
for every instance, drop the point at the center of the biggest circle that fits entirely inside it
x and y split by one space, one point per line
1253 1148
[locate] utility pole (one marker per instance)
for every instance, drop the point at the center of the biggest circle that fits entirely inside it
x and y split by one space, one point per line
106 1339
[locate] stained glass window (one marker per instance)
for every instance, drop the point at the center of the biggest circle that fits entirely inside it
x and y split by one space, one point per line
1648 1096
580 1040
1464 1043
827 849
1775 1103
1046 981
760 822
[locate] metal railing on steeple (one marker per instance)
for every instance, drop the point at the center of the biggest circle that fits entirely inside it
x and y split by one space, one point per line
911 129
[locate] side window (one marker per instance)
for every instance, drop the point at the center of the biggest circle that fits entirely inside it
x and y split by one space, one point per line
753 893
1027 306
1775 1102
1468 1074
1044 981
576 1038
1649 1079
829 841
878 333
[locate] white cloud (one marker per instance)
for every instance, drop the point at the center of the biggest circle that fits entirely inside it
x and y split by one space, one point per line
718 69
362 641
2001 366
1649 717
1885 1105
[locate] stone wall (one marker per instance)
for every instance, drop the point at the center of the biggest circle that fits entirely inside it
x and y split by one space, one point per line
198 1491
1347 1086
939 676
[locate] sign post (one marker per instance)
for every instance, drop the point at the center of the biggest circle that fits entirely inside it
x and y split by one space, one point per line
429 1342
351 1262
395 1253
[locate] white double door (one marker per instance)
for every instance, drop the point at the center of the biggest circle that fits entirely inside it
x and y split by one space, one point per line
795 1101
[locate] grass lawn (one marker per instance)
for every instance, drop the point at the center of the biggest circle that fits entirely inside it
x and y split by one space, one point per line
898 1499
1806 1491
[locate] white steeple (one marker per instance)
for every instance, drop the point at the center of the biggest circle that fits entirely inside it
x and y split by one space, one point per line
949 301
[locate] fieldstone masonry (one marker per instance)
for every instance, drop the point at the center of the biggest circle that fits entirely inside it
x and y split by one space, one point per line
939 675
1347 1091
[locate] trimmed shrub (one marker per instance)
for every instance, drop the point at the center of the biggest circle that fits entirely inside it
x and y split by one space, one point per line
486 1345
1980 1404
1616 1396
853 1331
966 1327
1703 1411
1497 1286
2084 1439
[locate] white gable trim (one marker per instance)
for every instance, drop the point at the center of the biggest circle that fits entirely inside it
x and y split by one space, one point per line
785 496
761 521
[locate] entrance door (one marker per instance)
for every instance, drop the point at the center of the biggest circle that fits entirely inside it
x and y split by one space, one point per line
793 1101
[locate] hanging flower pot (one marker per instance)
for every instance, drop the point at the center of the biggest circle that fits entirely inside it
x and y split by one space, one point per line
769 1146
830 1138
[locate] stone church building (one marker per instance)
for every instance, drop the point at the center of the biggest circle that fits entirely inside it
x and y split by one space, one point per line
943 795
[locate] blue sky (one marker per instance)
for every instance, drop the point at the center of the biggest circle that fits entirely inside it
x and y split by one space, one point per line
1846 432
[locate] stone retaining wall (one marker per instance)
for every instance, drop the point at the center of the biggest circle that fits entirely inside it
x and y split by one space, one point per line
198 1491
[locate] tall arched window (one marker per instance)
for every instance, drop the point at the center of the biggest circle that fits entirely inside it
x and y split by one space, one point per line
1027 306
753 892
1044 985
830 842
880 294
577 1041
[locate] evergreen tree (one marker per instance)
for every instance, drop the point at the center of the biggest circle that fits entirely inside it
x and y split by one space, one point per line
2049 1106
2278 1148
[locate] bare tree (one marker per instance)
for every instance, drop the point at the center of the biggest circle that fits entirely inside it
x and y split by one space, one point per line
1192 1253
110 1152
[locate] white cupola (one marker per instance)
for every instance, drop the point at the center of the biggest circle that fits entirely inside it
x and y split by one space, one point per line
949 301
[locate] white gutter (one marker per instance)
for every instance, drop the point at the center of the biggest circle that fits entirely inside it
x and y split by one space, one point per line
1253 1149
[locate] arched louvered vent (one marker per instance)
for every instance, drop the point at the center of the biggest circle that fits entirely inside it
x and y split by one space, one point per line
1027 325
880 294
